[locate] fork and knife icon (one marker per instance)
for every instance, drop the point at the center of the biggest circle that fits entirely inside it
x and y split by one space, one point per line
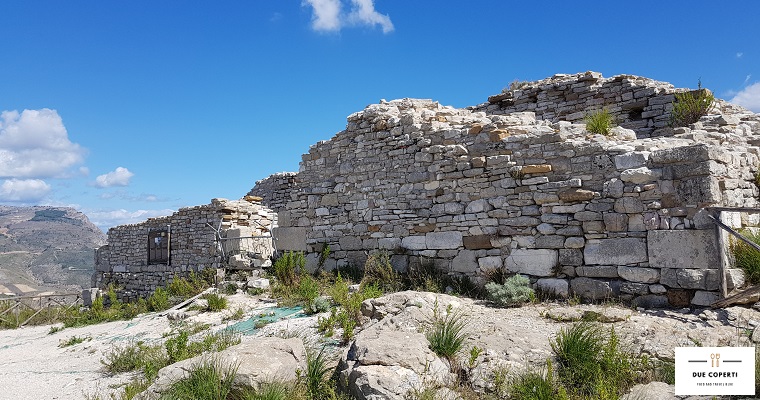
715 357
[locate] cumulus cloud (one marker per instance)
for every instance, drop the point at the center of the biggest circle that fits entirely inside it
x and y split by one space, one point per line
749 97
118 177
35 144
23 190
739 55
105 219
328 15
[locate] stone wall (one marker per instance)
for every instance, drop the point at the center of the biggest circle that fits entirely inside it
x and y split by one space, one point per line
275 189
220 234
476 189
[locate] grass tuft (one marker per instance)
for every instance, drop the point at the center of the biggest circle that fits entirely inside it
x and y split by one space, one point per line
600 122
447 335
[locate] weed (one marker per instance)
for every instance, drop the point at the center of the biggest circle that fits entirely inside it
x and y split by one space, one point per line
255 291
133 356
600 122
379 272
475 352
689 107
537 385
55 329
324 255
215 301
288 267
206 380
230 288
74 340
159 300
514 291
318 305
316 376
747 257
181 287
447 334
238 314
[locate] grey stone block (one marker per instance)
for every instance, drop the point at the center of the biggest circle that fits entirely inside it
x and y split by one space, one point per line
642 275
465 262
651 301
289 238
414 243
621 251
683 249
606 271
704 299
537 262
444 240
590 289
559 288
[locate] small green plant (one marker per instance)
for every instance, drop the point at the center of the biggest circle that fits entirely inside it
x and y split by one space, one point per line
215 302
475 352
317 374
288 267
180 287
307 292
600 122
230 289
255 291
208 380
159 300
55 329
74 340
689 107
379 272
747 257
447 334
514 291
324 255
318 305
238 314
537 385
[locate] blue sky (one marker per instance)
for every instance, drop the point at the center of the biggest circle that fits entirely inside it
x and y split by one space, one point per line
132 109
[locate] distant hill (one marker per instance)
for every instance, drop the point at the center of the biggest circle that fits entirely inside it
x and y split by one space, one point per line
46 249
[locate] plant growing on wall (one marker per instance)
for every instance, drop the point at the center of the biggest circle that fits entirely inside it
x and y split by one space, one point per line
689 107
600 122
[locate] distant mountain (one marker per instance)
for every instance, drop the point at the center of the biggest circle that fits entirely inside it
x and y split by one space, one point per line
46 249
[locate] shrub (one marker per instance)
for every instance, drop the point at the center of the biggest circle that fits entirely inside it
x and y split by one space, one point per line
746 256
514 291
181 287
591 364
447 335
307 291
159 300
379 272
287 267
600 122
318 305
537 385
215 302
689 107
316 376
206 380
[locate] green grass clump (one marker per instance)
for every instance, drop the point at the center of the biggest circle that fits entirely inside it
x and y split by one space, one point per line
514 291
288 267
747 257
447 334
379 272
537 385
600 122
591 363
74 340
215 302
689 107
207 380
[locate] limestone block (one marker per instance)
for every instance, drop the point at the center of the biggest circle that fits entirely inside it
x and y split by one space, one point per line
631 160
651 301
537 262
735 278
289 238
444 240
634 288
574 194
550 241
414 242
490 263
606 271
679 155
536 169
590 289
628 205
559 288
657 289
350 243
613 188
570 257
389 243
478 206
636 274
639 175
465 262
683 249
700 190
259 283
615 222
622 251
475 242
704 299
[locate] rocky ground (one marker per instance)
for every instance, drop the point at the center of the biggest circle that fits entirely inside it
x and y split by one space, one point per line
389 356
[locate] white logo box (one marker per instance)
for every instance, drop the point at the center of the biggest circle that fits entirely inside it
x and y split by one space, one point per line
715 371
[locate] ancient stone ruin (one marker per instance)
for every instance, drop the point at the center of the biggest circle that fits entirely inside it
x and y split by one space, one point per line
518 183
233 234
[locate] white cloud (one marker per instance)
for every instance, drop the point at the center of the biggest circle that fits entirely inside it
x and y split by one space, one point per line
364 13
105 219
328 17
23 190
739 55
749 97
35 144
118 177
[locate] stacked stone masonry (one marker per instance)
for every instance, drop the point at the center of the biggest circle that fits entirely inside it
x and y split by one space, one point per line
224 233
517 183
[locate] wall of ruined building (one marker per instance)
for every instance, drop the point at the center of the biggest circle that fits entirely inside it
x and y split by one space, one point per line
637 103
275 189
473 191
194 246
